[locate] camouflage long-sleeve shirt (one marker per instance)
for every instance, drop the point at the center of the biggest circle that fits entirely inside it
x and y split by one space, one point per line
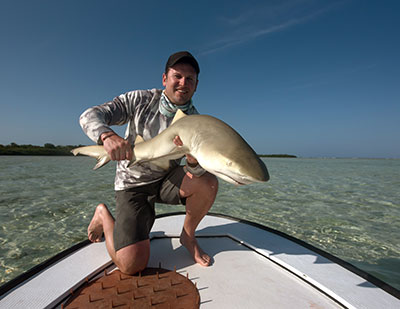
140 110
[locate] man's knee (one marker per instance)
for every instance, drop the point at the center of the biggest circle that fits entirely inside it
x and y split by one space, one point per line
209 183
133 258
205 186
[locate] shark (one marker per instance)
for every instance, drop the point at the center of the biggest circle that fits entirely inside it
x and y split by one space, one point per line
217 147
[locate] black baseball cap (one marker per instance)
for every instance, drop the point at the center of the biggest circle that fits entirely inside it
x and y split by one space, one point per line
185 57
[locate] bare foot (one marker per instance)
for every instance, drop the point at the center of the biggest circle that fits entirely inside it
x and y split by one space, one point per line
199 256
95 228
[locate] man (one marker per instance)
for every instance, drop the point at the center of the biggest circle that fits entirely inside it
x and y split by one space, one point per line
147 113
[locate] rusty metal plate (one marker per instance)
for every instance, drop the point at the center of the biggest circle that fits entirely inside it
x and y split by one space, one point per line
152 288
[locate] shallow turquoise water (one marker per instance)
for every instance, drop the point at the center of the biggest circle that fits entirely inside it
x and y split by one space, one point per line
347 207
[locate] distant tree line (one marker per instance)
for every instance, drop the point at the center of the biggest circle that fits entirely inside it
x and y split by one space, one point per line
277 156
32 150
52 150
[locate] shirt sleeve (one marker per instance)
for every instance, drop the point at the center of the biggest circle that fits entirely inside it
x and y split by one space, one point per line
97 120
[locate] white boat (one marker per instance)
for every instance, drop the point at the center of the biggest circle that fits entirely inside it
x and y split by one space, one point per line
253 267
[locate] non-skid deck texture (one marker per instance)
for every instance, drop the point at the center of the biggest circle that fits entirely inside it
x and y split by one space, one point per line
155 288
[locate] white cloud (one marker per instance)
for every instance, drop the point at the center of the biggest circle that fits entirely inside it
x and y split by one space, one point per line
258 22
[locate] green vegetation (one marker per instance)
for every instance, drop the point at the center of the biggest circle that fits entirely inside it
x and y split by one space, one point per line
277 156
31 150
52 150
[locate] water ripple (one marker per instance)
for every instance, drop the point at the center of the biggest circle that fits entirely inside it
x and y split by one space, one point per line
348 207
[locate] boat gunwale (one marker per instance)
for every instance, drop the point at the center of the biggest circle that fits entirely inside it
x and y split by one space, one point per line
32 272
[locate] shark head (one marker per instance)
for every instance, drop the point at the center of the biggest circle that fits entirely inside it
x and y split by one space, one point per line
236 170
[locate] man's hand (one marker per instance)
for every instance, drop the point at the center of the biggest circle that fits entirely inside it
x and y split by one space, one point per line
190 159
117 147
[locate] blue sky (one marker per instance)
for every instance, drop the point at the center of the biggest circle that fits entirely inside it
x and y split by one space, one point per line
304 77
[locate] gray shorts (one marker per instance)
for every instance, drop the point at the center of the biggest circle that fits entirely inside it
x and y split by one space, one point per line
135 213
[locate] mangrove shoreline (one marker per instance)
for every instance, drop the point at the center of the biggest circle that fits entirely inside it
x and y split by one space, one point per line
48 149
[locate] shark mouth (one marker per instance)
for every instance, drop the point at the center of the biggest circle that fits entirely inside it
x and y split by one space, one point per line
230 179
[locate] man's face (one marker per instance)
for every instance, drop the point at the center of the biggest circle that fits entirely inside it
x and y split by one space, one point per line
180 83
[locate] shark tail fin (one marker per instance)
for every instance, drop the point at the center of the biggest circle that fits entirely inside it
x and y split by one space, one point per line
97 152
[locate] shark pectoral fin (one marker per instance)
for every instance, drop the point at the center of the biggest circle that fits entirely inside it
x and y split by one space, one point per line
178 115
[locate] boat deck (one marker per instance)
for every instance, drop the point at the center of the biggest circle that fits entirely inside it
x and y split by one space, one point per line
252 267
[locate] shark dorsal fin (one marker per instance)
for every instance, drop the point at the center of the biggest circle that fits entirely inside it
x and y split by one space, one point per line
178 115
138 139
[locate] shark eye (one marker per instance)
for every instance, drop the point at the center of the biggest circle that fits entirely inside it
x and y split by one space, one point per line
229 163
